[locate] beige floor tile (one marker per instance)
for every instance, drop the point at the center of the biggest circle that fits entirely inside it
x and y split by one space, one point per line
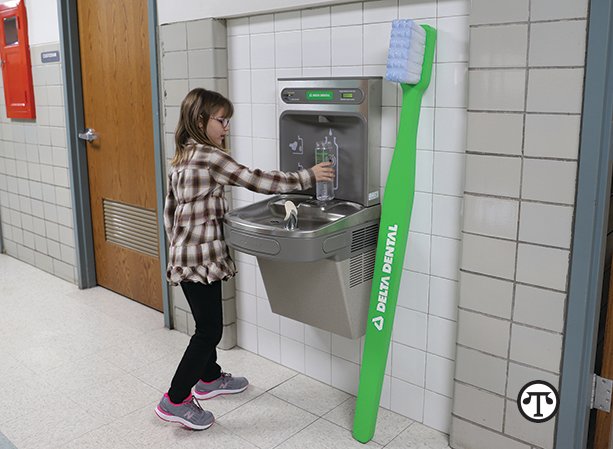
323 434
222 405
41 429
309 394
117 398
267 421
418 436
101 438
389 424
137 352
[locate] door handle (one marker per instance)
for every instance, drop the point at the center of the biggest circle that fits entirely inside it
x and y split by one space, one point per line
89 135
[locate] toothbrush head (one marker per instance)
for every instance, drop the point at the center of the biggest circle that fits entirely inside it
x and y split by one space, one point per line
405 56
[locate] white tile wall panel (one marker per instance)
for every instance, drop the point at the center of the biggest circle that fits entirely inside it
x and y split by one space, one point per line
498 11
482 370
499 46
479 406
316 18
473 326
557 43
552 136
555 90
558 9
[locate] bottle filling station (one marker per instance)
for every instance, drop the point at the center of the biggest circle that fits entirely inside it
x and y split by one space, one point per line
317 257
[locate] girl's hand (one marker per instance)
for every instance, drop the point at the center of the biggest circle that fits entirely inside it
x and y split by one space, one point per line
323 171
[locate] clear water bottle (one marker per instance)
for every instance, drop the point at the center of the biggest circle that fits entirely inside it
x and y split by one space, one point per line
324 189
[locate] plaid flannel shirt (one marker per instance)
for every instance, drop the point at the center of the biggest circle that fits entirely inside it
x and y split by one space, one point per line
196 204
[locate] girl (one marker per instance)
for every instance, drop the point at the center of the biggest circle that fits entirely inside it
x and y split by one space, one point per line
198 256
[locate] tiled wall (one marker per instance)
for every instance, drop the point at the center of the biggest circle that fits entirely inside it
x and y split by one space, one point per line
352 40
525 93
194 55
35 199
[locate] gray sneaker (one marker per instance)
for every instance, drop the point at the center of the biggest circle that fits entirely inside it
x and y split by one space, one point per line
225 384
189 413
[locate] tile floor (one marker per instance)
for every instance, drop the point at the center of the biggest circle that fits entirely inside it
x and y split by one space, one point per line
84 369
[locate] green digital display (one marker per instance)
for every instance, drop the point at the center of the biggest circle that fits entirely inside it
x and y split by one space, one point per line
347 95
315 95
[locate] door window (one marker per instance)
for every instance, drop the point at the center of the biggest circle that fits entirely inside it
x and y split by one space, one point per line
10 31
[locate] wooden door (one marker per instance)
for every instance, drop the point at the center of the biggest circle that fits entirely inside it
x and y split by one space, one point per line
114 46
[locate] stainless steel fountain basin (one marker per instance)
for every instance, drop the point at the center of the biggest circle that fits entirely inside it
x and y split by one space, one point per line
324 229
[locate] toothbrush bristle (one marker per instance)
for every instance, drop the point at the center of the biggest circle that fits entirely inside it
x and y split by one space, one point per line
405 56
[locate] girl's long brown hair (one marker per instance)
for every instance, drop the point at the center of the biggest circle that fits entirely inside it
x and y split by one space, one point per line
196 109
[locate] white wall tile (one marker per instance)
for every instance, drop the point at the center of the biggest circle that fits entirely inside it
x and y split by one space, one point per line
316 47
293 354
413 293
417 255
558 9
409 364
247 336
451 86
538 265
380 11
446 216
347 70
346 348
497 90
452 39
491 216
539 307
448 173
444 295
264 120
416 9
497 133
287 21
245 279
557 187
445 257
498 46
263 86
292 329
488 256
349 14
410 328
239 52
439 375
557 43
317 338
481 370
535 347
262 51
288 49
493 175
546 224
240 86
423 174
421 216
473 326
553 136
437 411
316 18
376 42
555 90
441 336
498 11
450 129
407 399
345 375
478 406
318 364
266 318
261 24
269 345
238 26
425 128
246 307
520 375
241 121
347 45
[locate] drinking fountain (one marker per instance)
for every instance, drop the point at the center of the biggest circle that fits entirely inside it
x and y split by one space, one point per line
317 264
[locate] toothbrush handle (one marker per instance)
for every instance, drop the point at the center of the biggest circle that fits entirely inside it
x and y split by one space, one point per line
391 248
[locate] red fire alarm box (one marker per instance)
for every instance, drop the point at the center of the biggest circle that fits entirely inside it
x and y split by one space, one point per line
15 60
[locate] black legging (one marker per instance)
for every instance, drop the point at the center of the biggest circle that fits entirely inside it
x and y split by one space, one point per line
200 358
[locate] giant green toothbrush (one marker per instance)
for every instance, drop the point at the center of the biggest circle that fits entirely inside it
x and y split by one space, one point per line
409 62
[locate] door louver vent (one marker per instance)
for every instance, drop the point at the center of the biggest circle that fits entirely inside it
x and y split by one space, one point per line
132 227
365 237
361 267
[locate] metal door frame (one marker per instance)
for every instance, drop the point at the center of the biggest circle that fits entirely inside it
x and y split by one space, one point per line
589 232
77 155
